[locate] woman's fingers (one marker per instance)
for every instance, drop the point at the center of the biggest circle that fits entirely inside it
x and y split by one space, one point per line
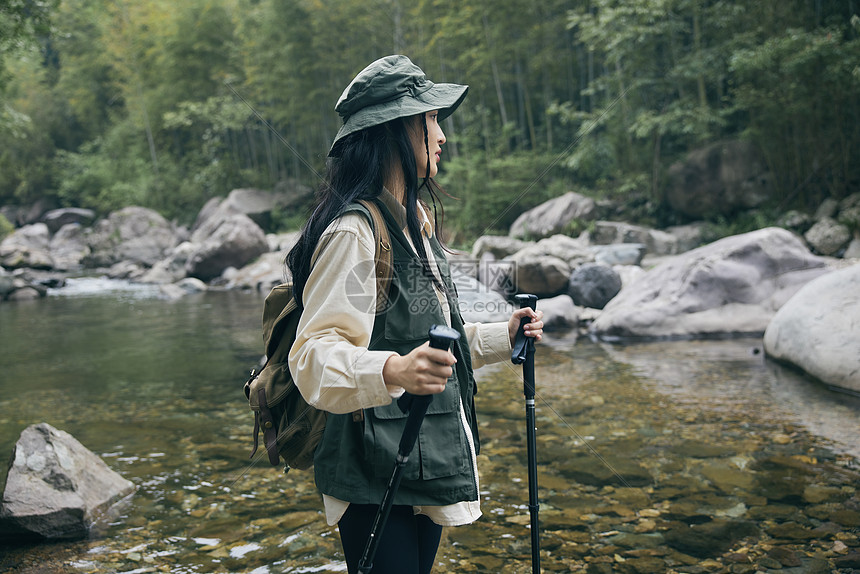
424 371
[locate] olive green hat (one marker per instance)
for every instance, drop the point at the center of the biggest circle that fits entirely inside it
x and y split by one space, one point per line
389 88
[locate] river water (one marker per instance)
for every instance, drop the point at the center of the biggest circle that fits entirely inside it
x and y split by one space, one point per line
659 457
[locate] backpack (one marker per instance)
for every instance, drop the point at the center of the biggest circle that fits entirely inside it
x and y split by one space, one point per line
291 427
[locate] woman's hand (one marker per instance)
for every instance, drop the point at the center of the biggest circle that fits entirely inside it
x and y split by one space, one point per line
532 329
424 371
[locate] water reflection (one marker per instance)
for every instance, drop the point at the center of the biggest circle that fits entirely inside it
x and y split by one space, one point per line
674 456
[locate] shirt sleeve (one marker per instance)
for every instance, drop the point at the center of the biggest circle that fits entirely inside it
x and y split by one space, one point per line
488 342
330 360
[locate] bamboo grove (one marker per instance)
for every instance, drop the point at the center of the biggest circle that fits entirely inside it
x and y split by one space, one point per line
107 103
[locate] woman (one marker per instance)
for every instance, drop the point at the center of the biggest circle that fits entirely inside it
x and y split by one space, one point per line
352 360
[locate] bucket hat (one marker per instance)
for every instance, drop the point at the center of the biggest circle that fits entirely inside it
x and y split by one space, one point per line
389 88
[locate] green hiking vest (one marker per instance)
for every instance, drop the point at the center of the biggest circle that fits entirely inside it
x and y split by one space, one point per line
356 457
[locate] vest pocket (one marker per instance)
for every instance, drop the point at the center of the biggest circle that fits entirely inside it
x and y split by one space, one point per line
440 450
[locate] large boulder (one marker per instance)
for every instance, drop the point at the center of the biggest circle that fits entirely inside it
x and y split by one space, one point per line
68 247
543 268
224 241
499 246
593 285
817 329
657 242
560 313
730 287
828 236
56 488
264 273
477 302
27 247
171 268
720 179
134 234
554 216
257 204
57 218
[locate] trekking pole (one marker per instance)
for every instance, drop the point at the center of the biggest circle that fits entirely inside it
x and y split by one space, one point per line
523 354
441 337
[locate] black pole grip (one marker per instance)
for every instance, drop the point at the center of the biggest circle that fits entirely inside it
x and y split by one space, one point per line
441 337
523 344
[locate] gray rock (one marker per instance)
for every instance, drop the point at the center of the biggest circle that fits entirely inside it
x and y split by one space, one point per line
261 275
849 211
687 236
257 204
542 275
827 236
572 251
282 241
817 329
610 232
500 246
559 313
68 247
133 234
593 285
553 216
172 268
477 302
56 488
795 221
853 250
228 241
129 270
619 253
828 208
720 179
7 283
57 218
730 287
27 247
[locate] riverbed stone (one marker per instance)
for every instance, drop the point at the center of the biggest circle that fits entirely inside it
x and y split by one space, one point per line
554 216
733 286
55 219
619 253
817 331
500 246
68 247
27 247
612 232
225 241
709 539
135 234
56 487
262 274
542 275
828 236
593 285
559 313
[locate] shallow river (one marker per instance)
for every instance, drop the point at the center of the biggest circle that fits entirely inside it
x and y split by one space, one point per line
669 457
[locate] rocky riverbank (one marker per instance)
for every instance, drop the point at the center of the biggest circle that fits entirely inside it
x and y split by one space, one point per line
614 281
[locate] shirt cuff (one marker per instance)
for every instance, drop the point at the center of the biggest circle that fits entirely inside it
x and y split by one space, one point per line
492 345
369 381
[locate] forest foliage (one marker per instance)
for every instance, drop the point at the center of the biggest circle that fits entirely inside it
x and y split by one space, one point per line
107 103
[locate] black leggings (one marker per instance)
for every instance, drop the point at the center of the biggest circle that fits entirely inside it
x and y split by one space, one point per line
407 546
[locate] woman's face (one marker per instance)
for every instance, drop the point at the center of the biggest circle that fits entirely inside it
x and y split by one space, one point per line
435 139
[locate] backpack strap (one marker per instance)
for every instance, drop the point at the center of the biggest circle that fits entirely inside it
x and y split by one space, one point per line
383 256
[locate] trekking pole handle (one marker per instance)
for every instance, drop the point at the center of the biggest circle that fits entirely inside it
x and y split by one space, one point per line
523 344
441 336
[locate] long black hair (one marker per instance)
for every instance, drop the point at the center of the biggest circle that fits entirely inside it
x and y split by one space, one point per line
357 170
